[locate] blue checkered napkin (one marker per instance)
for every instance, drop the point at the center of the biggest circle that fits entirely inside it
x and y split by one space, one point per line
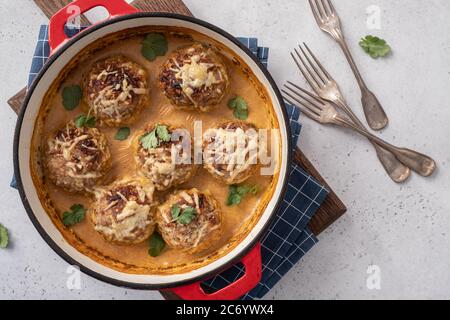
288 239
42 51
41 54
261 52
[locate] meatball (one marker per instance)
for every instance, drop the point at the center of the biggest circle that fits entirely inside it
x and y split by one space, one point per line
194 77
77 159
169 161
230 151
115 90
189 220
123 212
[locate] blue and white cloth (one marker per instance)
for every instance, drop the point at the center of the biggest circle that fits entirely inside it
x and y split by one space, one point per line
288 238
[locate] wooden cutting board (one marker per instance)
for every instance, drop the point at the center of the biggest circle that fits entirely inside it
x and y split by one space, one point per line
329 212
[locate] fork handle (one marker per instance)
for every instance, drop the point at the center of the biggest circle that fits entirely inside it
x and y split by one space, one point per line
375 115
348 55
420 163
396 170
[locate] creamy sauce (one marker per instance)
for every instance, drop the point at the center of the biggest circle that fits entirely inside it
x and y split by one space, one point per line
237 221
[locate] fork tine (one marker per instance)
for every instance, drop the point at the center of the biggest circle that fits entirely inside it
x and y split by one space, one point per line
314 105
307 93
330 5
315 13
325 8
325 72
305 110
312 82
312 72
320 9
311 63
300 98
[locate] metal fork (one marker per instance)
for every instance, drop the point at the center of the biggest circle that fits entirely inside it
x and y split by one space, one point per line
324 112
324 85
328 21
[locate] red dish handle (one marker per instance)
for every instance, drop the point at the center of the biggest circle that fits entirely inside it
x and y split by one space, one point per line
253 271
57 36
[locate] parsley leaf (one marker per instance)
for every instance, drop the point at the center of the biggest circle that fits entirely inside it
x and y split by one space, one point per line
375 46
176 211
152 139
71 97
149 140
240 108
233 196
74 216
163 133
85 121
156 244
184 216
237 193
122 134
4 237
154 45
187 215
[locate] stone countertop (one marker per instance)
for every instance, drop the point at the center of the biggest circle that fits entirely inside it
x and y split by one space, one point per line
401 230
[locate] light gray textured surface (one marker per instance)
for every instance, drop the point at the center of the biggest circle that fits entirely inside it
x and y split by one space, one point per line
402 229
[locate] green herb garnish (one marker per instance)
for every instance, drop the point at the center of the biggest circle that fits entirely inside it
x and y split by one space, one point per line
149 140
163 133
237 193
156 244
240 108
375 46
4 237
187 215
71 97
152 139
74 216
85 121
154 45
176 211
122 134
184 216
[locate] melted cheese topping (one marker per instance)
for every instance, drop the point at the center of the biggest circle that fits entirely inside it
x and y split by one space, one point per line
236 149
196 231
133 218
195 74
164 166
65 146
106 100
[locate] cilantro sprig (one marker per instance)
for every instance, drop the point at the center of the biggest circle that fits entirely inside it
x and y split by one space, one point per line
375 46
154 138
85 121
154 45
183 216
240 107
156 245
122 134
71 97
237 193
4 237
74 216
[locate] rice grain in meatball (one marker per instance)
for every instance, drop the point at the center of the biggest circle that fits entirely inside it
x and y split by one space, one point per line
190 220
169 162
230 151
123 212
115 90
77 159
194 77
